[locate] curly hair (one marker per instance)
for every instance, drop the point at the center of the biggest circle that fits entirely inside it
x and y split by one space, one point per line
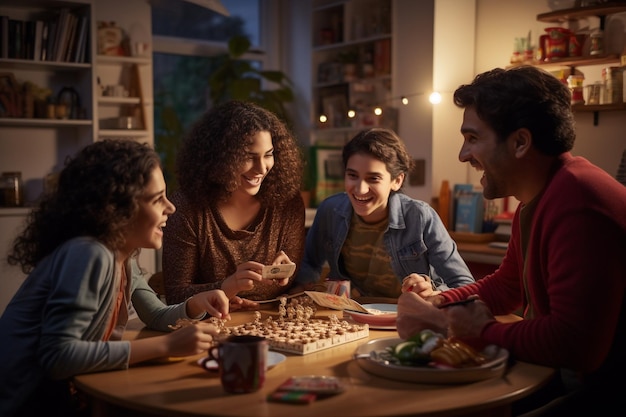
384 145
97 195
211 156
523 97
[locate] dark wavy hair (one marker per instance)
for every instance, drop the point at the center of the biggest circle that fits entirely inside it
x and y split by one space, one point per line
214 151
523 97
384 145
96 195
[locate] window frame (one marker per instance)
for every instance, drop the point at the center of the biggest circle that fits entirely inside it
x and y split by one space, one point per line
267 52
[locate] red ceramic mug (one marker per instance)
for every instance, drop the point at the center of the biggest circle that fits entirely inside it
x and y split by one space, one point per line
241 361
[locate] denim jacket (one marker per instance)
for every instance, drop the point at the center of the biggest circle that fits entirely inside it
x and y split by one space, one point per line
416 240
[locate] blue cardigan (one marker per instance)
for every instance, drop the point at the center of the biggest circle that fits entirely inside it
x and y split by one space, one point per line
53 326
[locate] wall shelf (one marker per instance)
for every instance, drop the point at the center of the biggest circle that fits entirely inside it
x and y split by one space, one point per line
27 122
564 15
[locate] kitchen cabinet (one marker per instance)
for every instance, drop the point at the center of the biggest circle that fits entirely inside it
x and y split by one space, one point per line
601 11
352 74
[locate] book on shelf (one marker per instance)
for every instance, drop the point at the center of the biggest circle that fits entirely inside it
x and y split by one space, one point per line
4 36
81 40
28 39
52 33
16 35
38 40
61 34
44 41
61 38
382 57
71 36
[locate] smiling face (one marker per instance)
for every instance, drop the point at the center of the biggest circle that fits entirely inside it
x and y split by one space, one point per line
368 184
258 164
154 208
483 151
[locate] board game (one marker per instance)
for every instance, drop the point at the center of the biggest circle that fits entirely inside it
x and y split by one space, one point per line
296 330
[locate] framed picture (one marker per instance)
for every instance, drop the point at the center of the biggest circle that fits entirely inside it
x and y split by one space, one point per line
327 171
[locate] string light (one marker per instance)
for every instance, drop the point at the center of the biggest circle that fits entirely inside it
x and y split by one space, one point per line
433 98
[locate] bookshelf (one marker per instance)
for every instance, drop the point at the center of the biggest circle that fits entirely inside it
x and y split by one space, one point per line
33 140
351 68
33 84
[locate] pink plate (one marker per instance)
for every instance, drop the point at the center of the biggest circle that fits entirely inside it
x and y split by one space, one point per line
382 315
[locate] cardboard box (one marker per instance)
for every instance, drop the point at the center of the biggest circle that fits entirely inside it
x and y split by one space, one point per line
469 211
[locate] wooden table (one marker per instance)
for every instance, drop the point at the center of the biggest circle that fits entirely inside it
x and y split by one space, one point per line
183 388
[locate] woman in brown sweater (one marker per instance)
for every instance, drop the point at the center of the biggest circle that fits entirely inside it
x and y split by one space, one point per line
239 207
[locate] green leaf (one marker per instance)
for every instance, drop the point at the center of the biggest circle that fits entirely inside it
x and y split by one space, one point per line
238 45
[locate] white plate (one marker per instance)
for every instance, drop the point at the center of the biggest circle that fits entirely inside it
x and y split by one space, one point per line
495 366
382 316
273 359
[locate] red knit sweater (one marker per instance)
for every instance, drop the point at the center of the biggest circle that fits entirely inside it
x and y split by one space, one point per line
576 275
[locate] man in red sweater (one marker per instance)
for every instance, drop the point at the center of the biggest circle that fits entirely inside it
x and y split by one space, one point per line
565 266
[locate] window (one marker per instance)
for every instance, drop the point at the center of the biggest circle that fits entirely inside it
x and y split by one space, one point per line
185 36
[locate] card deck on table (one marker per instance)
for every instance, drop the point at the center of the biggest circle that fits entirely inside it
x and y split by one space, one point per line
306 389
292 397
279 271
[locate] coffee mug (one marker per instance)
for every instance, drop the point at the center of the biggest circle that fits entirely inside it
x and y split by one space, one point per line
241 361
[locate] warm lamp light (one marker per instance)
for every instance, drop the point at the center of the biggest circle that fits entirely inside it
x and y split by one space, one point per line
435 97
378 111
323 118
351 114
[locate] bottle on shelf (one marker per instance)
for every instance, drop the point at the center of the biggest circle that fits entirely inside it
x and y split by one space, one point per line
12 189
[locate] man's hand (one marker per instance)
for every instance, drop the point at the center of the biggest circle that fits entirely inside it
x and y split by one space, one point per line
416 314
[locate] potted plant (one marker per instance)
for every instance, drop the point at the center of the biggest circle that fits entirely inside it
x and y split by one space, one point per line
237 79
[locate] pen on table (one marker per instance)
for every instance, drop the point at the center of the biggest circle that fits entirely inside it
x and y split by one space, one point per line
457 303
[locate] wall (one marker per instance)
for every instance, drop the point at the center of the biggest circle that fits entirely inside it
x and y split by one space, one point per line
453 63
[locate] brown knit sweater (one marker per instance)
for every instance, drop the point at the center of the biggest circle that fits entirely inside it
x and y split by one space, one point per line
200 250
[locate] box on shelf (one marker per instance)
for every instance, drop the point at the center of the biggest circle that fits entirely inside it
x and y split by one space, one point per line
469 212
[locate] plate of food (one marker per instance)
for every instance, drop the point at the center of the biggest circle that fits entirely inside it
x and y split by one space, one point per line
378 316
384 358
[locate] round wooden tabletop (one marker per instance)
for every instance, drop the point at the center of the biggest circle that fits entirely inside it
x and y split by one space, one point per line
180 387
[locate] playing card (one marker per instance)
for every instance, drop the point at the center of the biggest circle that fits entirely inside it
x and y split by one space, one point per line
279 271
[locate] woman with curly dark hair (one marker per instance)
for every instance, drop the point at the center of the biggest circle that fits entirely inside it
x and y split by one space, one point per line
79 248
239 206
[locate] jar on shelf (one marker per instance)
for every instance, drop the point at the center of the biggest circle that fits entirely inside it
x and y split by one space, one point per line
12 189
597 43
557 43
613 80
575 84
